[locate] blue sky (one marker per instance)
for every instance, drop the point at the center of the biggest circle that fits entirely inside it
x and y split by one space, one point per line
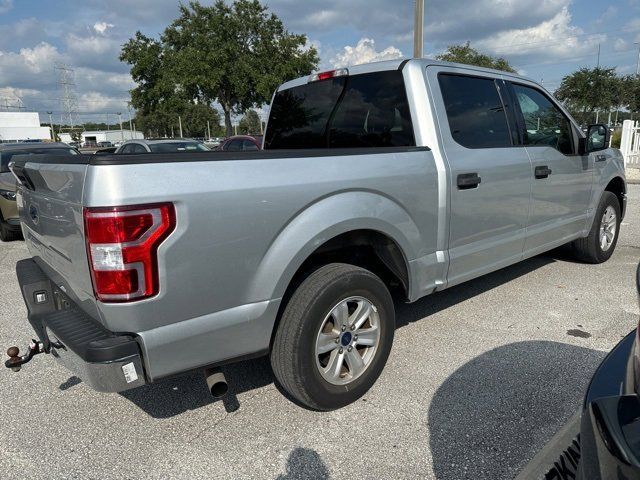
544 39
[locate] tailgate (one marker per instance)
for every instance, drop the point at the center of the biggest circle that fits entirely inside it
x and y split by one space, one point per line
49 199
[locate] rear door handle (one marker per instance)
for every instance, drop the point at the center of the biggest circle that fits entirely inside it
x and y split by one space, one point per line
467 181
542 172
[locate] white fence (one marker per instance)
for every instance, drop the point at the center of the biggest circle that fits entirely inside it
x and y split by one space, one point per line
630 143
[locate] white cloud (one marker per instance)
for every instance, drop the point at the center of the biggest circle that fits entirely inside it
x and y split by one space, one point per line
620 45
5 6
102 27
364 52
552 39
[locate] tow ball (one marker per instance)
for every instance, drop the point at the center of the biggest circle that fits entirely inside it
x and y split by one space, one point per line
16 360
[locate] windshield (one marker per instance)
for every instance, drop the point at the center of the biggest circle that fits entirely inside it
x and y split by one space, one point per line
367 110
6 156
172 147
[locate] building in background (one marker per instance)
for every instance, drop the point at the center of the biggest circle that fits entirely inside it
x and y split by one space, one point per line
21 126
112 136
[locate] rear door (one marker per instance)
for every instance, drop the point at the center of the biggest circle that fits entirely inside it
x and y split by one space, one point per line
490 172
561 179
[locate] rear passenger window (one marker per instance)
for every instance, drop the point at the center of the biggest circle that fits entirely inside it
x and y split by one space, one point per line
475 111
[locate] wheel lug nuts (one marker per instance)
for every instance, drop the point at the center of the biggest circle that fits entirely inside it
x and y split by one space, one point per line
355 337
344 327
341 350
353 327
349 349
338 340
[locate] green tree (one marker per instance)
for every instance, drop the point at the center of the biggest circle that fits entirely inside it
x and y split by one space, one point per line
470 56
589 90
234 54
250 123
630 88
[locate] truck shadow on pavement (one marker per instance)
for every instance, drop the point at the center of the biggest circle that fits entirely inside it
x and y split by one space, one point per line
492 415
173 396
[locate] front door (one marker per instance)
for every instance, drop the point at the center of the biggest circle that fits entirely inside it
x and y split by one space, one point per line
562 179
490 173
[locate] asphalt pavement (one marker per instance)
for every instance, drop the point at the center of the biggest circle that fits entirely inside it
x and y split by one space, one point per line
480 377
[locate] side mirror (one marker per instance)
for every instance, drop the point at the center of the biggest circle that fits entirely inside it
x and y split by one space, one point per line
598 136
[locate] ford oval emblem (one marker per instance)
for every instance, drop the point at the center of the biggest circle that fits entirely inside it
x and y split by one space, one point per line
33 213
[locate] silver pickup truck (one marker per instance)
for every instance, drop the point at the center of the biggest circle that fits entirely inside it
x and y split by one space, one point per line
390 180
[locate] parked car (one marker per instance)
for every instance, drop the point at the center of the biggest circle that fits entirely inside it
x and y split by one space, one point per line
9 220
105 144
241 143
106 150
396 178
610 424
171 145
213 142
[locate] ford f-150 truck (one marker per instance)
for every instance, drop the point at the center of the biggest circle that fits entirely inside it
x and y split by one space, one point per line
399 178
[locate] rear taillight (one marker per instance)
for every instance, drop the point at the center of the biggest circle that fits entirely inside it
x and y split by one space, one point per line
122 245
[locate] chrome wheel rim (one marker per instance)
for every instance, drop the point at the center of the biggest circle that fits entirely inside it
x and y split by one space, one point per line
608 227
348 340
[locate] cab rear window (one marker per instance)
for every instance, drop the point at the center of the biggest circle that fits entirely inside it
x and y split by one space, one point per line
367 110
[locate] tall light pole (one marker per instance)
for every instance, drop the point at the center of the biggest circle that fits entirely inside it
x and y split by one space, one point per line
418 30
638 63
180 125
53 133
130 123
121 130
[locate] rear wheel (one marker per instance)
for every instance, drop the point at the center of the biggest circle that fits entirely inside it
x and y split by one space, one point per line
334 337
601 242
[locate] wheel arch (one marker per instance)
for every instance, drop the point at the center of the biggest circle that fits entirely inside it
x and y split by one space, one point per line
618 187
350 216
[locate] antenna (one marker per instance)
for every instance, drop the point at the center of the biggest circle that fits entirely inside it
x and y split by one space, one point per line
69 100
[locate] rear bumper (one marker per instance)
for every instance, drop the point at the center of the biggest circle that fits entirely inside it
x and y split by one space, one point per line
105 361
609 425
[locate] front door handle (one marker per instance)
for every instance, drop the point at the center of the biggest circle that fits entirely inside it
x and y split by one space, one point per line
542 172
467 181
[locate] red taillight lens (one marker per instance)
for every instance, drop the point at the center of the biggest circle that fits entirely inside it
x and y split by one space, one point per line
340 72
122 245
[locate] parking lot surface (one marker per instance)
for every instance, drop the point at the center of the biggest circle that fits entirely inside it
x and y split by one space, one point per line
480 377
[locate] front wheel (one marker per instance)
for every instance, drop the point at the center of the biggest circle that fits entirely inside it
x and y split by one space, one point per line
334 337
601 242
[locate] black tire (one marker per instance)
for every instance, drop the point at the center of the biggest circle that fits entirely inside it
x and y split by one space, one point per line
7 234
589 249
293 353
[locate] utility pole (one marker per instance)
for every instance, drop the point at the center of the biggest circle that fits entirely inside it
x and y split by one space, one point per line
208 130
598 55
172 135
180 124
121 130
638 63
53 133
418 30
130 122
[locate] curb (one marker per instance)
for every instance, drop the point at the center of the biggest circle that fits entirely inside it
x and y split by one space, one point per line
633 181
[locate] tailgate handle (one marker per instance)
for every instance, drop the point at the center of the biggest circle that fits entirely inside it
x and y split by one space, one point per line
542 172
21 175
468 180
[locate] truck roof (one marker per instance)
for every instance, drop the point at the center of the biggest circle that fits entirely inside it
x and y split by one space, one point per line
400 63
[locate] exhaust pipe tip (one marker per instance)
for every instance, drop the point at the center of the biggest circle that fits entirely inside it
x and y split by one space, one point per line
217 383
